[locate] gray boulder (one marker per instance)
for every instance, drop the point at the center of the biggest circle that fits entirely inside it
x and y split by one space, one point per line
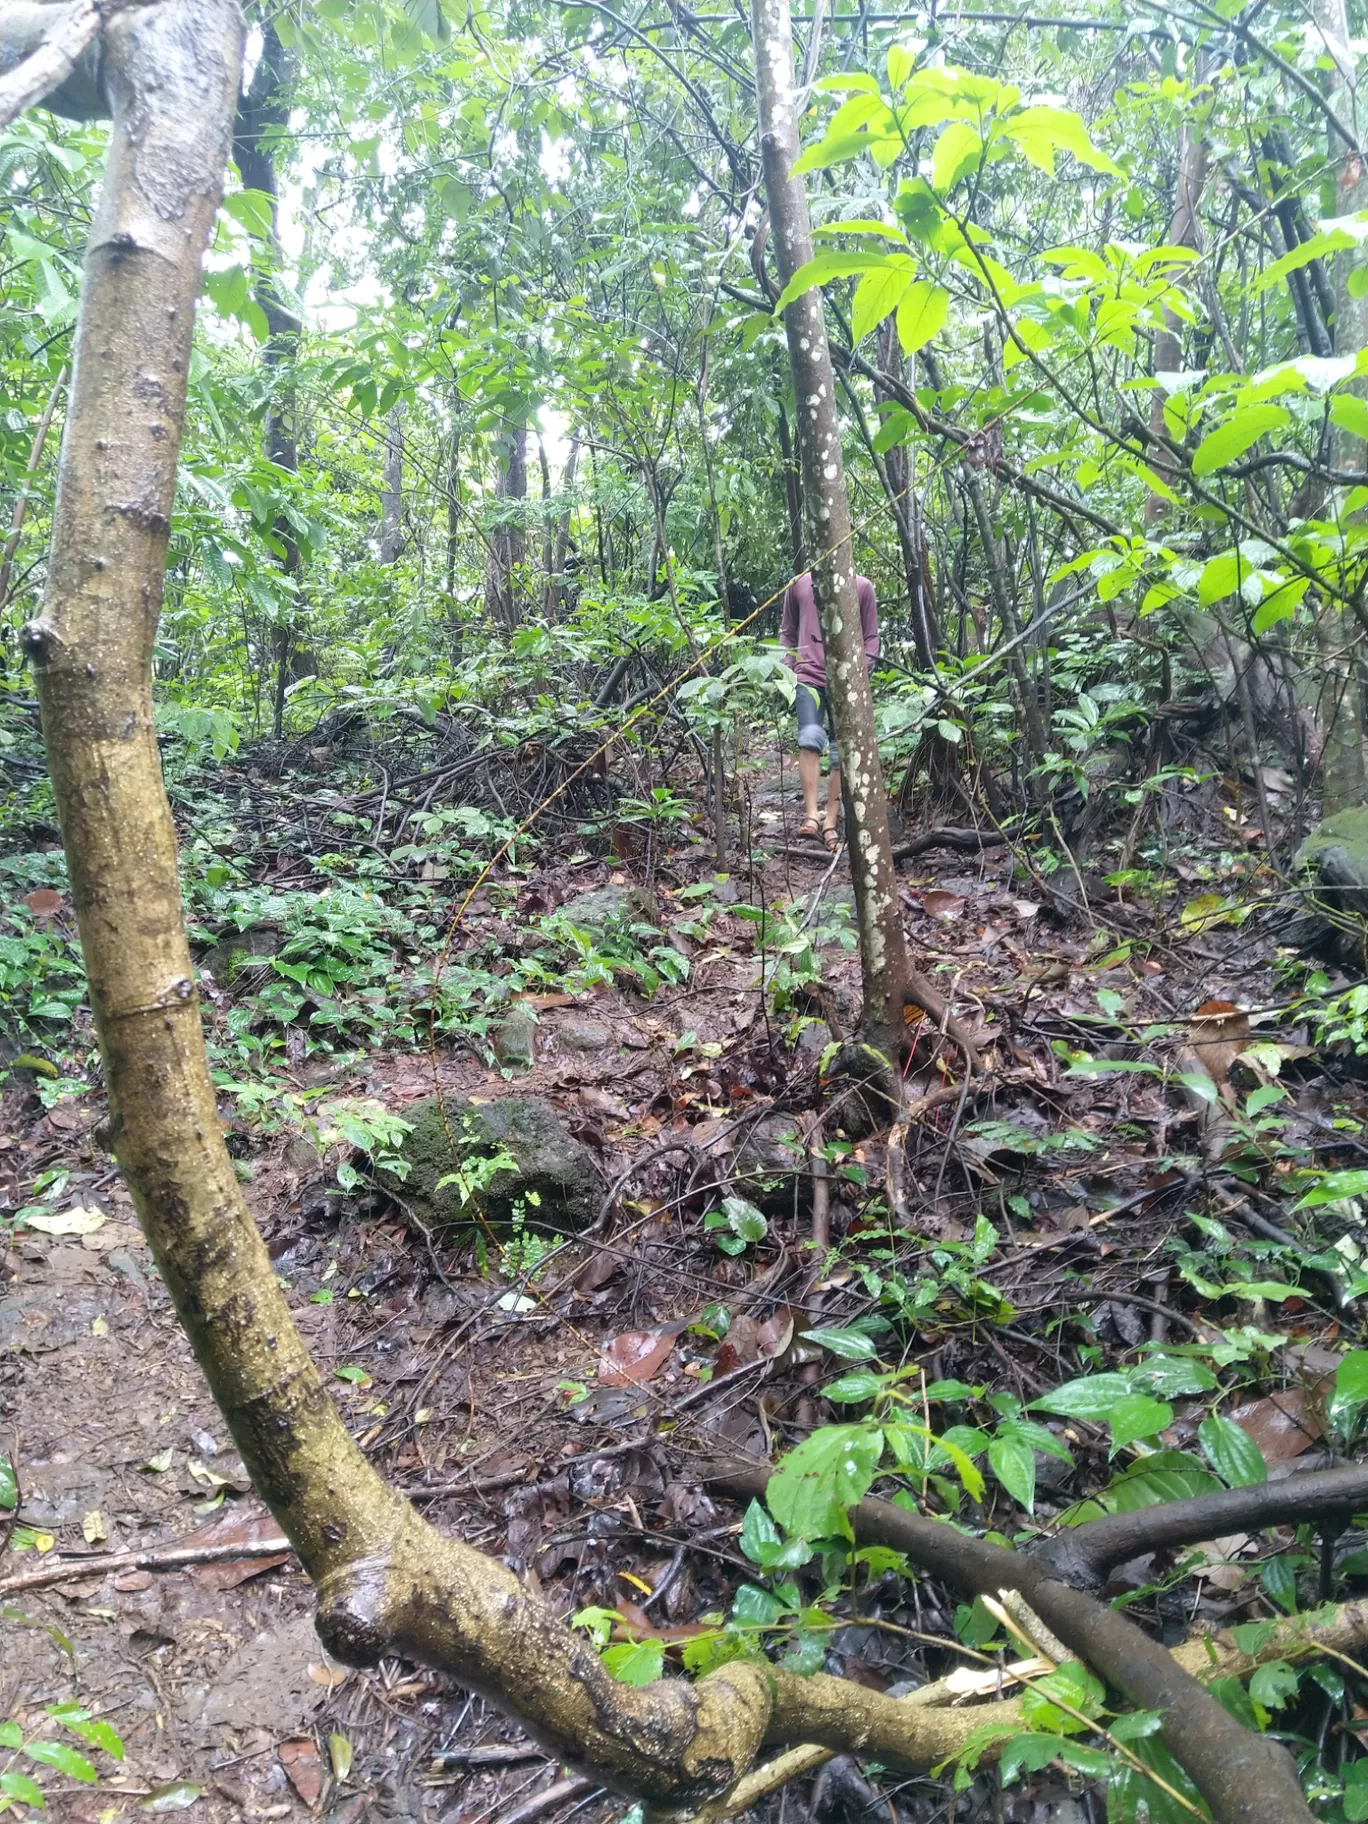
240 952
611 911
548 1164
1335 856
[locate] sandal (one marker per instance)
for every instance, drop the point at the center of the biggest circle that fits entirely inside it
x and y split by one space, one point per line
809 830
831 839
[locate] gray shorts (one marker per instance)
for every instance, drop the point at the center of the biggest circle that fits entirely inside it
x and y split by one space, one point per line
816 726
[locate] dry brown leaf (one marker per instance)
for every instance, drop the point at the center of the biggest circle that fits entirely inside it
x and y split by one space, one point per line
936 902
636 1355
1218 1033
1281 1425
43 902
303 1766
235 1528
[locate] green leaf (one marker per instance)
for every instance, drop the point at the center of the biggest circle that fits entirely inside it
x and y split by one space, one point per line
744 1220
1092 1396
878 293
758 1532
1138 1416
20 1787
1273 1684
1012 1461
253 209
636 1662
850 1345
1231 439
9 1485
1351 414
1041 132
824 267
172 1795
1334 1187
65 1760
921 314
958 147
1351 1381
850 1388
1231 1452
1167 1375
815 1484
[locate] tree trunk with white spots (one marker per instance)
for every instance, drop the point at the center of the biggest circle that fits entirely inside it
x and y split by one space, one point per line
889 982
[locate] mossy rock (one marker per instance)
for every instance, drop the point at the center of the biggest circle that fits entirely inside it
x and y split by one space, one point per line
611 911
550 1165
1336 856
241 951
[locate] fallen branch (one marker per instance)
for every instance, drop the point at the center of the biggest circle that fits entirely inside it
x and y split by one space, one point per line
965 841
157 1558
1083 1555
1245 1778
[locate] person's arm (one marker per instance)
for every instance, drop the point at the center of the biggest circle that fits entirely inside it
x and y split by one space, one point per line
869 619
788 629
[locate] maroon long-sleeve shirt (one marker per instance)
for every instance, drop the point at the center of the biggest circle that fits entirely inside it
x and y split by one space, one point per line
801 629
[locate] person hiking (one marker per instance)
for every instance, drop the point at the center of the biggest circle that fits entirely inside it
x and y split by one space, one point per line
801 635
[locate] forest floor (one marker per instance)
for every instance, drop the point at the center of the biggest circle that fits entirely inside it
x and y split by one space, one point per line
552 1417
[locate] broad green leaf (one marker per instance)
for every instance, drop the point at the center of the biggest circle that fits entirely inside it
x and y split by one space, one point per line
1167 1375
1334 1187
1351 1382
758 1533
815 1484
834 149
1092 1396
850 1388
850 1345
9 1485
878 293
1273 1684
1012 1461
1138 1416
1231 1452
921 314
1229 441
65 1760
172 1795
958 147
20 1787
636 1662
824 267
1041 132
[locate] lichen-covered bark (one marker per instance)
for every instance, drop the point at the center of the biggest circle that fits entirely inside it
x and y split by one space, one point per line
387 1582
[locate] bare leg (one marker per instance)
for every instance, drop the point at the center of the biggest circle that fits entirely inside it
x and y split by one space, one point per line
833 808
809 777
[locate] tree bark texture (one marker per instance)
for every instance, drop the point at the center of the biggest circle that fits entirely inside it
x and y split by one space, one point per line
262 113
895 472
1185 230
392 498
508 541
883 945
